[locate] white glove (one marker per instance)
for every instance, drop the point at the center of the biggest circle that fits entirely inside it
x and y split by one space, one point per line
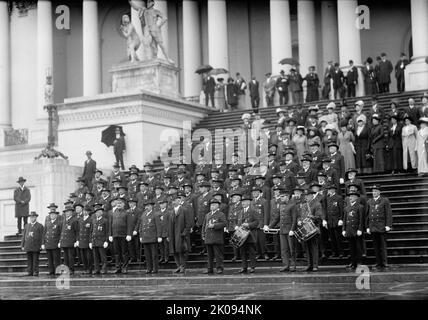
159 240
291 233
43 247
76 244
141 240
134 233
167 239
344 233
340 223
265 228
342 181
128 238
324 223
105 245
387 229
299 223
368 230
225 230
236 227
59 245
359 233
110 239
90 246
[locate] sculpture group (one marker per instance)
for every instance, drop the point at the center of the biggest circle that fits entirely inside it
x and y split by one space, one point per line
152 21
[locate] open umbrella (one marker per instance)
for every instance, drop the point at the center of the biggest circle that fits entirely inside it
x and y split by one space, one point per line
203 69
218 71
109 135
290 61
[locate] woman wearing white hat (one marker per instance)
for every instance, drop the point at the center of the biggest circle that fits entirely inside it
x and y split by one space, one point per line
421 147
332 117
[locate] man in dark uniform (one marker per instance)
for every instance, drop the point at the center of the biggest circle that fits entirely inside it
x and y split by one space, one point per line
81 190
31 243
83 238
212 235
310 209
67 242
261 210
133 184
331 173
143 194
116 175
333 219
235 206
378 223
134 244
247 219
149 231
317 156
337 161
99 240
208 86
253 87
119 220
287 219
260 183
353 226
288 176
399 72
163 214
385 69
353 180
202 208
104 200
307 171
51 237
22 197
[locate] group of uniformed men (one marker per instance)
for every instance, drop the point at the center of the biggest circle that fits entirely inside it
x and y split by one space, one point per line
172 211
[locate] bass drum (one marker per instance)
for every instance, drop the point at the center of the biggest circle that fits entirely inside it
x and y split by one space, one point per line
239 236
306 231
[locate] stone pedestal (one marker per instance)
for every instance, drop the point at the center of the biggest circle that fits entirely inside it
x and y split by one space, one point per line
49 180
156 76
416 75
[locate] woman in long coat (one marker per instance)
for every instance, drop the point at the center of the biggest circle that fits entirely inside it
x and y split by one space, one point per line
312 84
377 144
361 134
345 141
232 94
395 147
408 138
301 142
421 148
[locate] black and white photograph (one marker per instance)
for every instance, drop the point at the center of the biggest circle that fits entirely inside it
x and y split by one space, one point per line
213 155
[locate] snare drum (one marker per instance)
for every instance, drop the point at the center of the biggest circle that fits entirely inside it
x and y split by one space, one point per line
239 236
306 231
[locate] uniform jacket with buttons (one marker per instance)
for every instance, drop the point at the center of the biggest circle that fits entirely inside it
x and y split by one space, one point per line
249 216
311 210
338 163
353 219
149 228
99 232
52 233
287 218
33 237
133 219
334 210
119 222
85 229
379 214
232 217
261 208
214 235
274 212
69 232
163 217
202 207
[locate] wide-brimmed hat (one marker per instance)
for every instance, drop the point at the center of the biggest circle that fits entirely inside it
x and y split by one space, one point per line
423 120
21 179
33 214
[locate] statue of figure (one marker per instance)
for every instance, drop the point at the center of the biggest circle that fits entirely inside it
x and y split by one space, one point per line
132 39
152 21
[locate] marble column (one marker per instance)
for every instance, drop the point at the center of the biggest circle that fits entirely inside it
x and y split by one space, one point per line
5 106
280 30
192 55
91 49
218 50
44 53
162 6
417 71
307 38
349 39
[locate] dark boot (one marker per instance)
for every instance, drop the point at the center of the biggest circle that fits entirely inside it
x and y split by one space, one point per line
117 264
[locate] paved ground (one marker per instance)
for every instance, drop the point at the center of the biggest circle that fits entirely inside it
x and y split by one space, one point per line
333 283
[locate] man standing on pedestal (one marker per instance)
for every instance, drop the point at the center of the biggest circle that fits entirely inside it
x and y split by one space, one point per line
22 199
119 148
89 170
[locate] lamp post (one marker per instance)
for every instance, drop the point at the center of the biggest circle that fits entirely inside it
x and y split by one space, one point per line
50 107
